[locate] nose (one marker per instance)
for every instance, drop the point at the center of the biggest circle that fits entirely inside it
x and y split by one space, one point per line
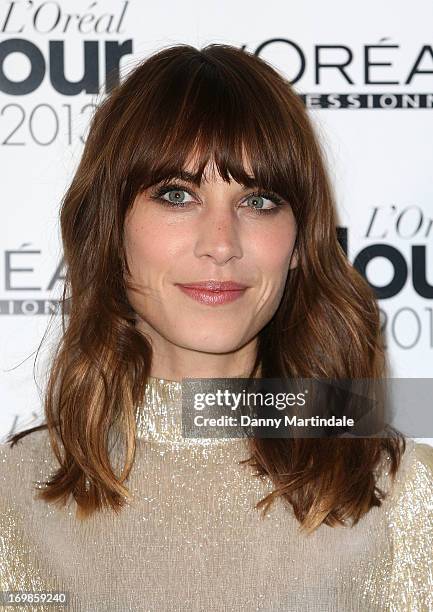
218 234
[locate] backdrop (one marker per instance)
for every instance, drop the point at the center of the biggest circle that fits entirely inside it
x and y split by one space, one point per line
365 73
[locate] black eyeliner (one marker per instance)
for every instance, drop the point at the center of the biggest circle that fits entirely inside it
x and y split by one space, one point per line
166 187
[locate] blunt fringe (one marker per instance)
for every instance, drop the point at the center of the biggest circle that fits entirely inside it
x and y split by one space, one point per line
218 103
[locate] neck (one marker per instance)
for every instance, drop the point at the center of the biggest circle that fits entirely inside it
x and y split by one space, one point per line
178 378
159 415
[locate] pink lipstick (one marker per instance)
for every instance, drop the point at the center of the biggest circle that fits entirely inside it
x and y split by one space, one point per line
213 292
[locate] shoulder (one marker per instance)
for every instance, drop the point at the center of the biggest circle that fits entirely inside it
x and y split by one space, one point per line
25 447
414 476
420 477
410 523
424 458
22 463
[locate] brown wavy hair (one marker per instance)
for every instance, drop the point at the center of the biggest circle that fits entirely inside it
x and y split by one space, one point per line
217 102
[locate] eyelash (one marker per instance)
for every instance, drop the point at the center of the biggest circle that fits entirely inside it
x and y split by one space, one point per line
173 187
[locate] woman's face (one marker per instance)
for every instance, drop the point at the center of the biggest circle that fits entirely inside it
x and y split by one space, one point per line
215 234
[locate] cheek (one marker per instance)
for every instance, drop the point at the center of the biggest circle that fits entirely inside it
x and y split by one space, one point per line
150 246
272 249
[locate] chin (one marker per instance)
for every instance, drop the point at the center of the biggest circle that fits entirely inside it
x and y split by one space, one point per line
210 344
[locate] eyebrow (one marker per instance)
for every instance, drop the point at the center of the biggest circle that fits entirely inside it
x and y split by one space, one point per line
186 176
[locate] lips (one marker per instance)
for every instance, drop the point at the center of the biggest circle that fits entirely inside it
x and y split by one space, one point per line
213 285
213 293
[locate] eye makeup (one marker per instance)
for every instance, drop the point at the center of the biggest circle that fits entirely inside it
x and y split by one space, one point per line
259 193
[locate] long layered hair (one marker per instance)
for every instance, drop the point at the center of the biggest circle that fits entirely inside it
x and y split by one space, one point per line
218 103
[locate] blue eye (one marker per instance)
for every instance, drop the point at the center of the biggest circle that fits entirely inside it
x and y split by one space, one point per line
276 200
177 201
173 200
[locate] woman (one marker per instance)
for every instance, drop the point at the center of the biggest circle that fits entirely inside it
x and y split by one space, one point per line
203 166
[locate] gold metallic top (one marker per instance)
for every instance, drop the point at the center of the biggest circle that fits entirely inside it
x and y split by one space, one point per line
191 538
159 417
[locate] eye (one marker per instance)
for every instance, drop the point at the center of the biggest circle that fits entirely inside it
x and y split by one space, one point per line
175 195
256 201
